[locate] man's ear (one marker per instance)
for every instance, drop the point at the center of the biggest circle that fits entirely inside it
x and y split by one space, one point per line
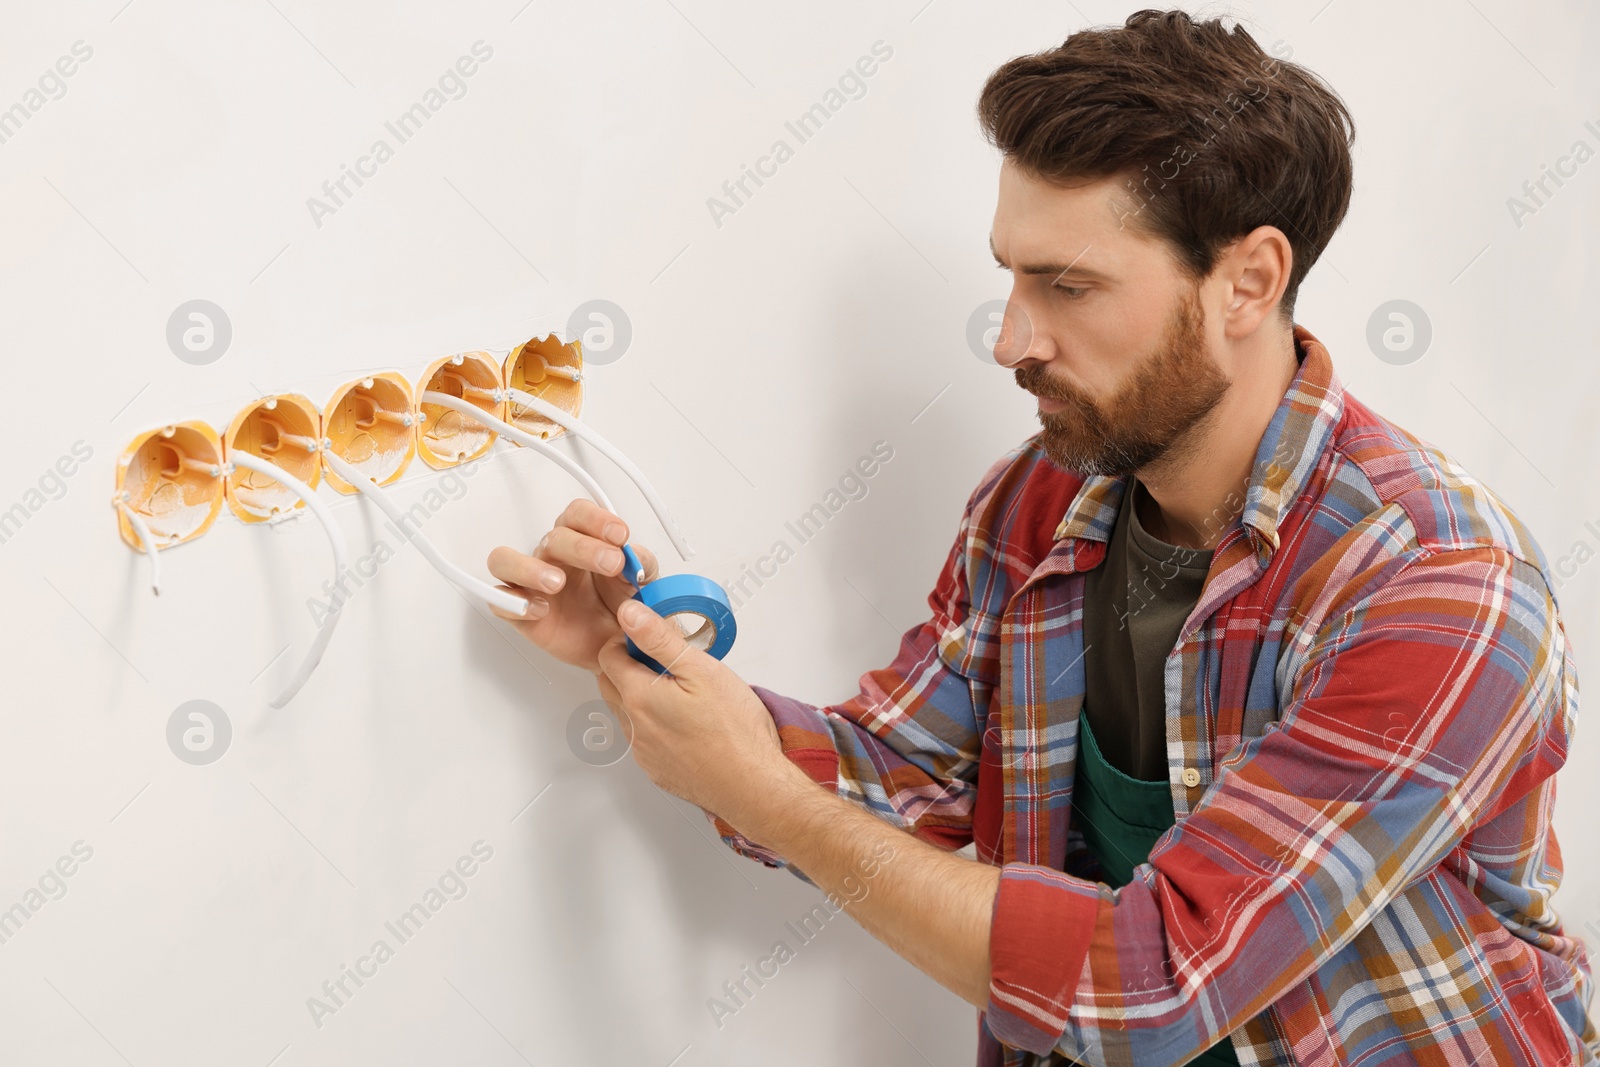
1256 271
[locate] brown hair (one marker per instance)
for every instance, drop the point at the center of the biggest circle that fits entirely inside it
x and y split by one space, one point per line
1213 136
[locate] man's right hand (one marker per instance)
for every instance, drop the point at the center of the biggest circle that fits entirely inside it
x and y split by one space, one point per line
573 583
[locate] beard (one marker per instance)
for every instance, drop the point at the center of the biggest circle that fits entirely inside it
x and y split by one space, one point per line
1167 395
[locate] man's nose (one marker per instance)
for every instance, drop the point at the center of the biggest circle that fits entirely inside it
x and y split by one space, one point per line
1014 342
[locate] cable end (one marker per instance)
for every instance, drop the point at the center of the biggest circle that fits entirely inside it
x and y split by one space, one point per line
632 569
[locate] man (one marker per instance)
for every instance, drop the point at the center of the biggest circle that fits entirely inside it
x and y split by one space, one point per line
1250 701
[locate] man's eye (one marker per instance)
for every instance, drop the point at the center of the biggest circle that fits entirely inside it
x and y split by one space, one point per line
1070 292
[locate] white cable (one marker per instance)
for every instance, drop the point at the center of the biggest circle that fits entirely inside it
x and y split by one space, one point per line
241 458
147 542
466 582
555 414
522 437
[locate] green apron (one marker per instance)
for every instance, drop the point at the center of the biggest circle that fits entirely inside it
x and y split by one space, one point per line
1121 818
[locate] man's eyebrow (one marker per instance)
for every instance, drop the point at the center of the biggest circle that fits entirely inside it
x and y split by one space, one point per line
1055 270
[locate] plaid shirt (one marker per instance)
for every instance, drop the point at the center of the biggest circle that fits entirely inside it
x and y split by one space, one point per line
1365 712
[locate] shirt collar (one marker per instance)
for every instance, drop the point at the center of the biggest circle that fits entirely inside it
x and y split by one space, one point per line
1290 448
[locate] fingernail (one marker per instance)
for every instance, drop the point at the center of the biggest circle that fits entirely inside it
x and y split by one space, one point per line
632 612
553 580
615 533
610 559
537 606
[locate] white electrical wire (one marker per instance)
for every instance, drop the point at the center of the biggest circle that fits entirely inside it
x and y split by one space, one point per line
505 601
147 542
241 458
522 437
555 414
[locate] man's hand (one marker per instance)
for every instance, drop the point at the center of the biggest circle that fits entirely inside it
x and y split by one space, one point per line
573 583
699 732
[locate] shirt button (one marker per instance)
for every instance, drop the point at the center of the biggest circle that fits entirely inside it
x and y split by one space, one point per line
1191 777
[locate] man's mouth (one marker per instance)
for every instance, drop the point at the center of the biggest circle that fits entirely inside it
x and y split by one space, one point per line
1048 405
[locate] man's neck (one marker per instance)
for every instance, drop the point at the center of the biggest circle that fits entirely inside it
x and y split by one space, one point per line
1197 490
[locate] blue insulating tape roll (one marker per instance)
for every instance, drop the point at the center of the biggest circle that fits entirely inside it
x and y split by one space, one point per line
676 593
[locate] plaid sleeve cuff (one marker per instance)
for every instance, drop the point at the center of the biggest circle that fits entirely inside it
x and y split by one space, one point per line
1040 930
806 740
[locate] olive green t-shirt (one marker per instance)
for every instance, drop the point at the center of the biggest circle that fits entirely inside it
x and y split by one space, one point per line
1135 602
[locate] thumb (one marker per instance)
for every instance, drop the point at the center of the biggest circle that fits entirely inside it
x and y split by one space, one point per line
657 638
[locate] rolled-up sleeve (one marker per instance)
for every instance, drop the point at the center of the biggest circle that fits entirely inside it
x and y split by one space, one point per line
1441 696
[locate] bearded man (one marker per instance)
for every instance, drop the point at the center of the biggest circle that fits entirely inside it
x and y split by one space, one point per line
1249 702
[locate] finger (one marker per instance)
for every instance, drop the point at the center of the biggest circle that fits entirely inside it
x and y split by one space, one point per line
538 606
587 517
525 571
567 546
647 559
616 666
659 639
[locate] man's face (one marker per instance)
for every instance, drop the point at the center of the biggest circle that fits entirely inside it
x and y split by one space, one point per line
1102 326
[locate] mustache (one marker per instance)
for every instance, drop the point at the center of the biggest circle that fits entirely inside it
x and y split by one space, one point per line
1035 380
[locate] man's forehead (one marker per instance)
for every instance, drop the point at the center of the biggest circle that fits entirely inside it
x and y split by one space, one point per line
1038 222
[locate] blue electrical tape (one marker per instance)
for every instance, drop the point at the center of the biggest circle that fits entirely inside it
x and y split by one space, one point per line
632 570
677 593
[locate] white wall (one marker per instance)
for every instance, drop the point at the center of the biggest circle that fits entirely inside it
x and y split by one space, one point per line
768 353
